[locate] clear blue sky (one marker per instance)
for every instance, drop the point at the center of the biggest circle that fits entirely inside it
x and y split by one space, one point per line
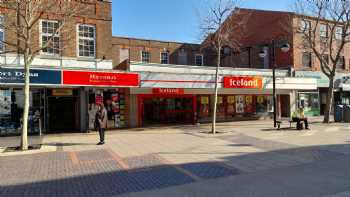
171 20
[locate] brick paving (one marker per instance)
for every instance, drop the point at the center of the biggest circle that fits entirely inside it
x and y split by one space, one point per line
94 173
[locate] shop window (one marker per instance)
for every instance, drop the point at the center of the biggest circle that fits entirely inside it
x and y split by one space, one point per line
203 107
11 110
164 58
50 37
230 100
306 60
86 40
309 101
239 104
261 104
199 60
114 101
145 57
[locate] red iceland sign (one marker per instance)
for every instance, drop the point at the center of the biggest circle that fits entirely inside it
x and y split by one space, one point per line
243 82
168 91
100 78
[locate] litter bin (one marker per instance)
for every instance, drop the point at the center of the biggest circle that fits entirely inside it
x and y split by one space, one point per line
338 113
346 113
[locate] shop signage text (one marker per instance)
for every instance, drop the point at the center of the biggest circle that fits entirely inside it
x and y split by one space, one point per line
168 91
37 76
100 78
243 82
62 92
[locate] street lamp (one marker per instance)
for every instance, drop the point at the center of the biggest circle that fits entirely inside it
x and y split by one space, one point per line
285 47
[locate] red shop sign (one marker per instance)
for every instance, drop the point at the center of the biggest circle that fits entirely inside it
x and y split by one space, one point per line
168 91
100 78
243 82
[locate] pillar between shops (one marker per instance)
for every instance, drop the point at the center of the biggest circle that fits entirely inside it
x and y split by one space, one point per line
83 110
293 101
133 111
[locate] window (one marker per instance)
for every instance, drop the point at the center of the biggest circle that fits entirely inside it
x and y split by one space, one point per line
340 63
323 31
145 57
2 34
86 40
199 60
307 63
305 26
325 61
338 33
50 37
164 58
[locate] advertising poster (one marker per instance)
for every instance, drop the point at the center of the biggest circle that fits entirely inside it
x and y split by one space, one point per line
5 102
239 104
249 108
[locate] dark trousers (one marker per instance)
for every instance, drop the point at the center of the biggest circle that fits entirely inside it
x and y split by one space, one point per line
306 123
101 131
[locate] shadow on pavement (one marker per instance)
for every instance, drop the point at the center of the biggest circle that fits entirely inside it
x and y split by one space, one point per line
98 173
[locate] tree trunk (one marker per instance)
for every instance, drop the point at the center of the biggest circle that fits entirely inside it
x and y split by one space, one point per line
213 128
24 137
329 101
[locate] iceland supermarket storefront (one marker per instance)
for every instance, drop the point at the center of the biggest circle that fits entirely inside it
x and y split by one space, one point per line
174 94
63 100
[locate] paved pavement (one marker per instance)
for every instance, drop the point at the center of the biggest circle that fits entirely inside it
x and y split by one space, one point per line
244 159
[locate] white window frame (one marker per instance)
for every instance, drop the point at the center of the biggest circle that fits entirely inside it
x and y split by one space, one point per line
78 38
322 31
164 52
3 33
338 32
49 35
149 56
304 25
195 59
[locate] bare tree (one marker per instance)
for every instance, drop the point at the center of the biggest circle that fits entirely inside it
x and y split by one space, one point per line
324 25
221 29
21 24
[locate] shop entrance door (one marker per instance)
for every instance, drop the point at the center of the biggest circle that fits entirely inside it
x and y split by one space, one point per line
63 114
166 110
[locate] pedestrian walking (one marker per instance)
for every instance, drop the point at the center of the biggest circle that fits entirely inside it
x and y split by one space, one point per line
101 122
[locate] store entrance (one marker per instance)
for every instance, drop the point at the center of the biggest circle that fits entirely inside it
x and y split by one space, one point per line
63 114
167 110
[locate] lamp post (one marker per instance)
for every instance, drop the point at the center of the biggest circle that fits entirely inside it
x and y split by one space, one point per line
284 46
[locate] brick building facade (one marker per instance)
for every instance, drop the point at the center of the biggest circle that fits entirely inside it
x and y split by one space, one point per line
68 78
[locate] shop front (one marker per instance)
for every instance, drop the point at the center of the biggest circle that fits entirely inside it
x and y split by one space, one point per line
63 100
175 94
12 99
166 106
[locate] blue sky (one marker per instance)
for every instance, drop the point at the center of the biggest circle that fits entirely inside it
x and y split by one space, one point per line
171 20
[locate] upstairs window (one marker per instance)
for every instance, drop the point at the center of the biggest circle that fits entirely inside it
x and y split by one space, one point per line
86 40
50 37
307 61
199 60
164 58
323 31
145 57
2 34
305 26
338 33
